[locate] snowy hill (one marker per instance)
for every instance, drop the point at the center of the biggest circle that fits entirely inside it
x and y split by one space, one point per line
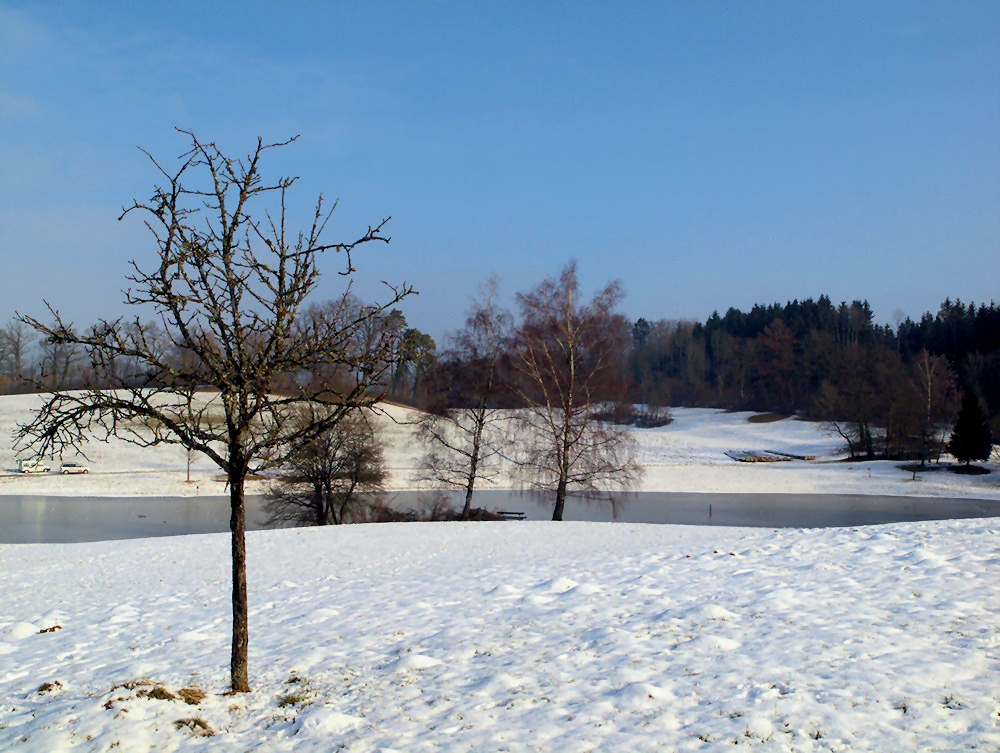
686 456
510 636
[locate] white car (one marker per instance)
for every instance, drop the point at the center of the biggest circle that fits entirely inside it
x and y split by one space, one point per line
32 466
73 468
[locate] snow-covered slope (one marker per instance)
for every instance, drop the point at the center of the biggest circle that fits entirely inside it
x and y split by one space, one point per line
686 456
511 636
121 469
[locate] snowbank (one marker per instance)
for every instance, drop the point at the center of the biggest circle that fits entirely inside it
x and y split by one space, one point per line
686 456
510 636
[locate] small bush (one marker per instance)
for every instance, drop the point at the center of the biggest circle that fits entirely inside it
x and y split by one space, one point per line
767 418
622 414
434 507
481 513
652 417
386 514
625 414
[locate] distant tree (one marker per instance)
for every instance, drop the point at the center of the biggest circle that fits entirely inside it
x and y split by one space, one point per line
569 358
932 385
418 354
328 476
60 359
972 438
775 351
413 354
463 438
229 288
849 401
640 331
8 380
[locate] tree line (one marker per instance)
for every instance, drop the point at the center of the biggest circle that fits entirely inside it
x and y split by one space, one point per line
888 391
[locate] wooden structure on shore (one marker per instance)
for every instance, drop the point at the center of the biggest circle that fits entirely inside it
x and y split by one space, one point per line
765 456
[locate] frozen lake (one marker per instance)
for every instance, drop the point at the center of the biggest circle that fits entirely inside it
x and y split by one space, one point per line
40 519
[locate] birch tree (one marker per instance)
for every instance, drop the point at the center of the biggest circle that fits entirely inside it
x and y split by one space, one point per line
569 354
464 440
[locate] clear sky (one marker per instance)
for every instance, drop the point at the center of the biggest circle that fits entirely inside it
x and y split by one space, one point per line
707 154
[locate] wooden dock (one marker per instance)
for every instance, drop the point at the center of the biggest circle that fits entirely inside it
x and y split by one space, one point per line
757 456
765 456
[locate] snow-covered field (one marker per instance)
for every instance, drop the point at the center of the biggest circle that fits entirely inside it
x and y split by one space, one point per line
511 636
686 456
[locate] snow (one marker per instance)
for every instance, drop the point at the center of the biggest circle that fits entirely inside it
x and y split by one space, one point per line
511 636
686 456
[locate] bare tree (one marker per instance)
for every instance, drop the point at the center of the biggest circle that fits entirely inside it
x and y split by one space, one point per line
5 359
463 439
18 338
325 479
228 286
850 403
60 360
932 385
569 356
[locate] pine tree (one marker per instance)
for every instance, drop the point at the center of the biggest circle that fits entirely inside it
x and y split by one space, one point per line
971 438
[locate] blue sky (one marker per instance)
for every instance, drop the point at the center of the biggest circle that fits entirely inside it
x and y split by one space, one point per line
707 154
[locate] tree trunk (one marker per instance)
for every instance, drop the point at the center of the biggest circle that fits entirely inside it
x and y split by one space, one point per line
480 418
470 488
239 664
557 513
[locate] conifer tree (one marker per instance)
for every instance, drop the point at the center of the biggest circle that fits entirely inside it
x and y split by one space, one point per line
971 438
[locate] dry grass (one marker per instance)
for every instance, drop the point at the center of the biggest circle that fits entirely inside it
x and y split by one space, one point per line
196 725
145 688
158 693
191 696
292 699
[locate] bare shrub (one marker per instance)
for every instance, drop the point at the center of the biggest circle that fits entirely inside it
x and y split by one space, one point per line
332 476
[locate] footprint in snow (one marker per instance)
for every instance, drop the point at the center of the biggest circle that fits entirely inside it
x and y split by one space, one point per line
715 612
557 585
324 614
123 613
713 643
636 695
494 683
319 724
505 590
414 662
